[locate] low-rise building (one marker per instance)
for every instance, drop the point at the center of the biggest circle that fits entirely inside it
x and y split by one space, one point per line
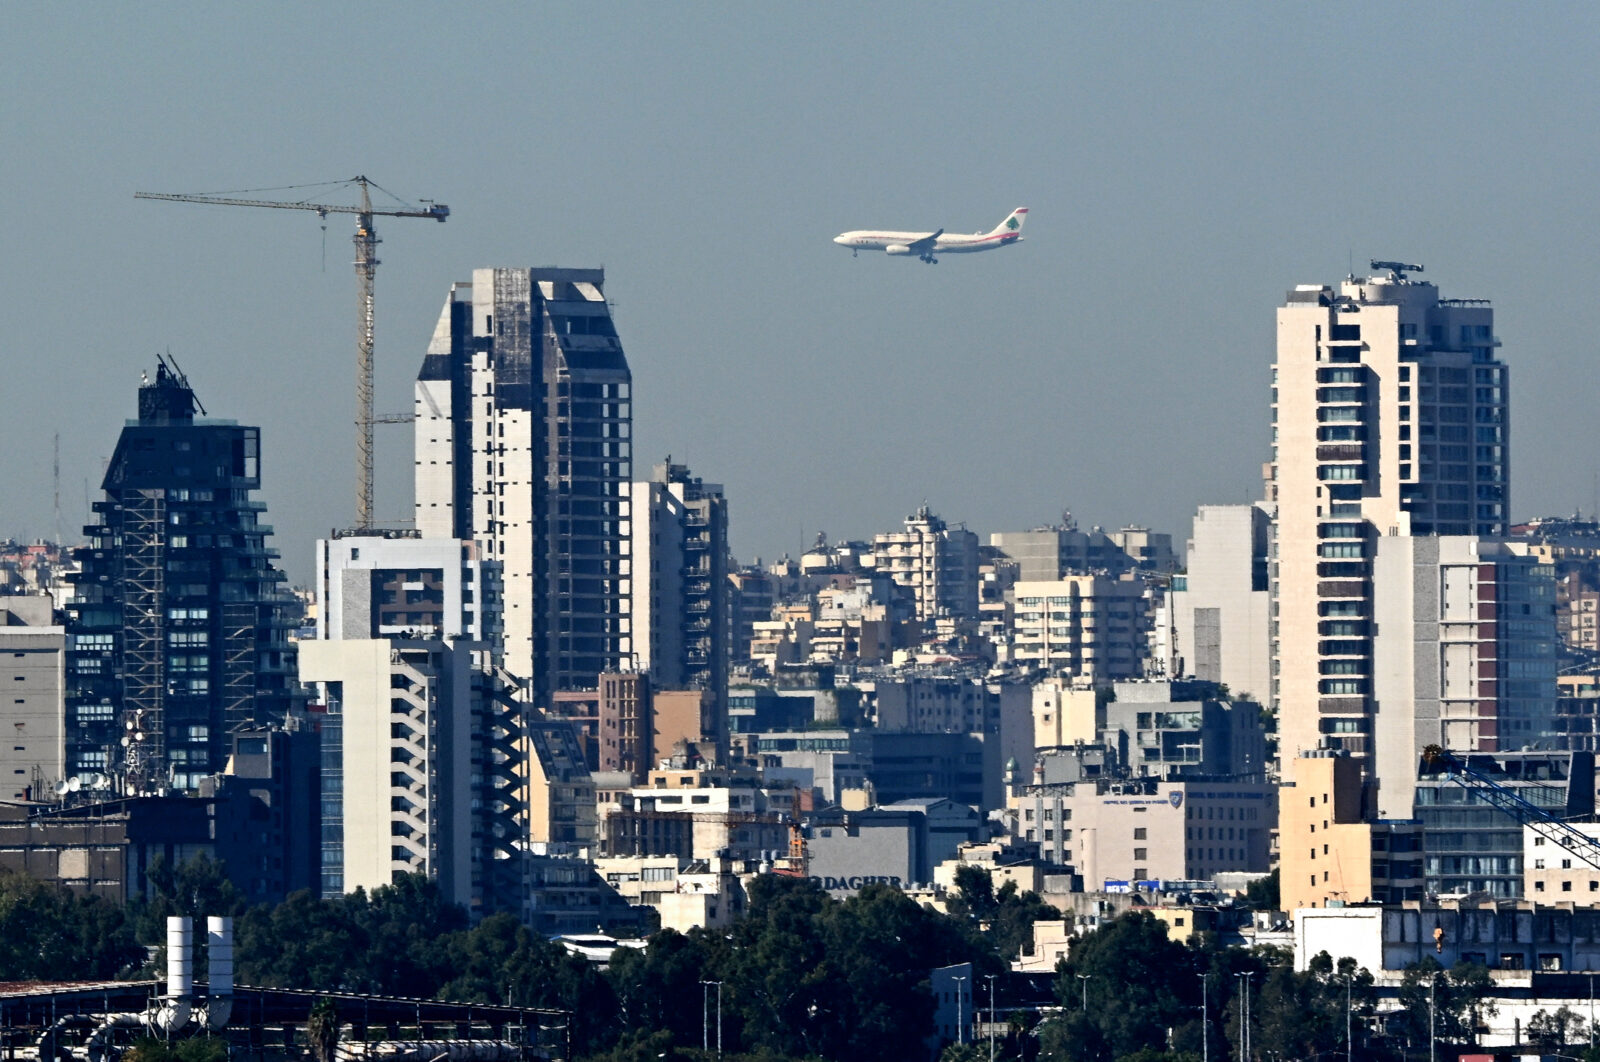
33 676
1124 830
1329 852
1558 867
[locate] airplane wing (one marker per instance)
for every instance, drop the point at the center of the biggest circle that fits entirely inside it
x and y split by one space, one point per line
926 243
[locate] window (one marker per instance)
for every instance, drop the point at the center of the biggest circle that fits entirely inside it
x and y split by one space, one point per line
1140 853
1139 833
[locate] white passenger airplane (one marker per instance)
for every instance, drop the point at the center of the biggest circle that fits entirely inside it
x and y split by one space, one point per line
925 245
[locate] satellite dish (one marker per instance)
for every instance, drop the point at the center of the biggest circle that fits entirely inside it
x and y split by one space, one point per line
98 781
75 784
124 741
61 787
127 724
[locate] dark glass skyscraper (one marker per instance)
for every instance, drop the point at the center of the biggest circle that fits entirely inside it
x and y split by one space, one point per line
178 625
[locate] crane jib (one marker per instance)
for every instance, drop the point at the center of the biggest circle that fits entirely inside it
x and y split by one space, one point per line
366 268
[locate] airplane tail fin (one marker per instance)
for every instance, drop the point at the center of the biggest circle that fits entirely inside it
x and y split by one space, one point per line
1012 223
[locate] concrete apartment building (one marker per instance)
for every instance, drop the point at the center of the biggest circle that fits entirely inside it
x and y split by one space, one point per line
1464 655
1330 850
1047 554
1390 419
394 584
33 685
524 444
1221 606
1554 870
1172 729
1147 829
939 564
424 744
679 608
1091 628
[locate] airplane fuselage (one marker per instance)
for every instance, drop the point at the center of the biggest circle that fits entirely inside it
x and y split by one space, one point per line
928 245
875 240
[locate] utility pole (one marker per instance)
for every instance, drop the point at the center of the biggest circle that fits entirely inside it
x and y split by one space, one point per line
1205 1021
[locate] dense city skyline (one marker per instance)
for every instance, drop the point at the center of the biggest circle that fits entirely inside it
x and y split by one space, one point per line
1181 174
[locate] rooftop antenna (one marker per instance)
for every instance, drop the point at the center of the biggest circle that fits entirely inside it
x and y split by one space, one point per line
56 476
171 364
1396 269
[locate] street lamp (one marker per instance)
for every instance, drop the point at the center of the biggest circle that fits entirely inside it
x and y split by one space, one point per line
1205 1019
1433 983
959 981
1084 1004
1349 1044
1244 1016
990 978
705 1016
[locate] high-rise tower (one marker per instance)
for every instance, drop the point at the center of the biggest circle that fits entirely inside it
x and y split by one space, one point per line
681 590
1390 419
179 627
523 443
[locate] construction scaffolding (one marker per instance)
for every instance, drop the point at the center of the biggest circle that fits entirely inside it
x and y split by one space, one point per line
143 738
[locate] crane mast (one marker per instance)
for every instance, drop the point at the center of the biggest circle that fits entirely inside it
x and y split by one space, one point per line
366 245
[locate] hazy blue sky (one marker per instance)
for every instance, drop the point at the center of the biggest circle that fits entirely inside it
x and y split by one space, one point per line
1185 164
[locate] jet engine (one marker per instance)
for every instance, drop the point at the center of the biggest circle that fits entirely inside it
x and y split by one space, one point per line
897 248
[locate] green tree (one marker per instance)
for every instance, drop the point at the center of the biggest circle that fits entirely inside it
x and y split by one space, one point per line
1556 1030
1003 918
304 942
1139 984
197 887
51 933
808 975
975 893
660 987
1262 894
1459 998
192 1049
1011 928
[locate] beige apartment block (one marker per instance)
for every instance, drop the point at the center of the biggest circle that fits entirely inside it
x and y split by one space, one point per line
1389 419
1328 852
1092 628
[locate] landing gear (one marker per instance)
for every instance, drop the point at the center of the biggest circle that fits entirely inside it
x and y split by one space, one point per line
855 253
930 259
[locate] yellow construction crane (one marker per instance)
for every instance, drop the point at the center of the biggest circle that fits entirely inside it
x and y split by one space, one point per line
366 241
